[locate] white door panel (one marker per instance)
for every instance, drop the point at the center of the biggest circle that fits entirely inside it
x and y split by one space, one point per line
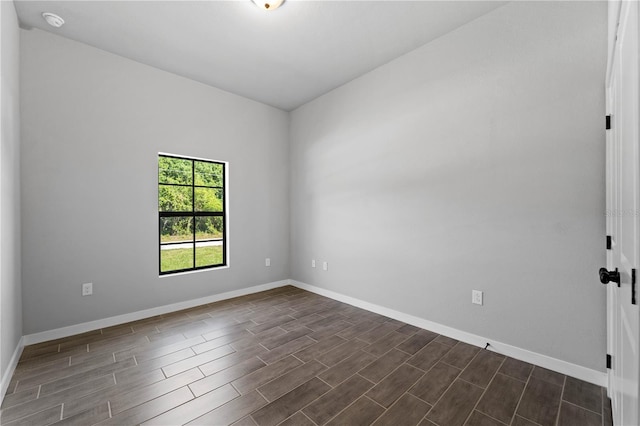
623 197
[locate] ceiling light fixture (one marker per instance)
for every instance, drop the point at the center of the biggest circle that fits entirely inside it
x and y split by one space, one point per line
53 19
268 4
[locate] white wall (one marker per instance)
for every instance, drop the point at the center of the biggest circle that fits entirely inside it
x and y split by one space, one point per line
92 125
473 162
10 283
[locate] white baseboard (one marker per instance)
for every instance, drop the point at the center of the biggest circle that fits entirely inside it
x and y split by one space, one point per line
71 330
588 375
13 363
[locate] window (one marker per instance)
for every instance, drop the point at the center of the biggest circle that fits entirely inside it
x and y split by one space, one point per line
192 217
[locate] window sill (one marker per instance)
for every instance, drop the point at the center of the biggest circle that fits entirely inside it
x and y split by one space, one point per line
215 268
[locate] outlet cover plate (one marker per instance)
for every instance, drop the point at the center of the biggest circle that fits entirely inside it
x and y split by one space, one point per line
476 297
87 289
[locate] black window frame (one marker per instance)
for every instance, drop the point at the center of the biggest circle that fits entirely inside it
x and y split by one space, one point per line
194 214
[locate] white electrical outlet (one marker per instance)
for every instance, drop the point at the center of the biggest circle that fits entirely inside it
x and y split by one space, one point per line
267 262
87 289
313 263
476 297
325 266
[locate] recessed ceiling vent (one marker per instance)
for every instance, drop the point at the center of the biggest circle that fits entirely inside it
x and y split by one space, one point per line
53 19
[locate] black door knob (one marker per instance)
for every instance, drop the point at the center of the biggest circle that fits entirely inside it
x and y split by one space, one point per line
609 276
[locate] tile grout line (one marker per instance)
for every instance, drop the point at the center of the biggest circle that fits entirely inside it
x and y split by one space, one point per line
493 418
417 397
300 411
564 383
320 396
450 365
526 384
484 391
602 395
318 377
262 395
375 402
221 405
373 384
236 389
275 378
579 406
448 387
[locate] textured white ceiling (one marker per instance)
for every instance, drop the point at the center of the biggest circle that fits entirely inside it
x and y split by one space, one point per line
282 58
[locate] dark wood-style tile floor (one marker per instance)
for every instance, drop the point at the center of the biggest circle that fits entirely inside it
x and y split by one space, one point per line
286 357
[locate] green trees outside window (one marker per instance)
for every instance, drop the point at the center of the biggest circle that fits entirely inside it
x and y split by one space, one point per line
191 200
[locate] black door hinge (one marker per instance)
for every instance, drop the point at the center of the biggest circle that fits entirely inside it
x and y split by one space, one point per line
633 287
608 242
608 122
608 361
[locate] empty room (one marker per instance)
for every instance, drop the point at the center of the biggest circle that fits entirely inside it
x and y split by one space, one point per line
294 212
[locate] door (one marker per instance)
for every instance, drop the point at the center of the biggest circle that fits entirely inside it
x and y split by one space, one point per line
623 196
